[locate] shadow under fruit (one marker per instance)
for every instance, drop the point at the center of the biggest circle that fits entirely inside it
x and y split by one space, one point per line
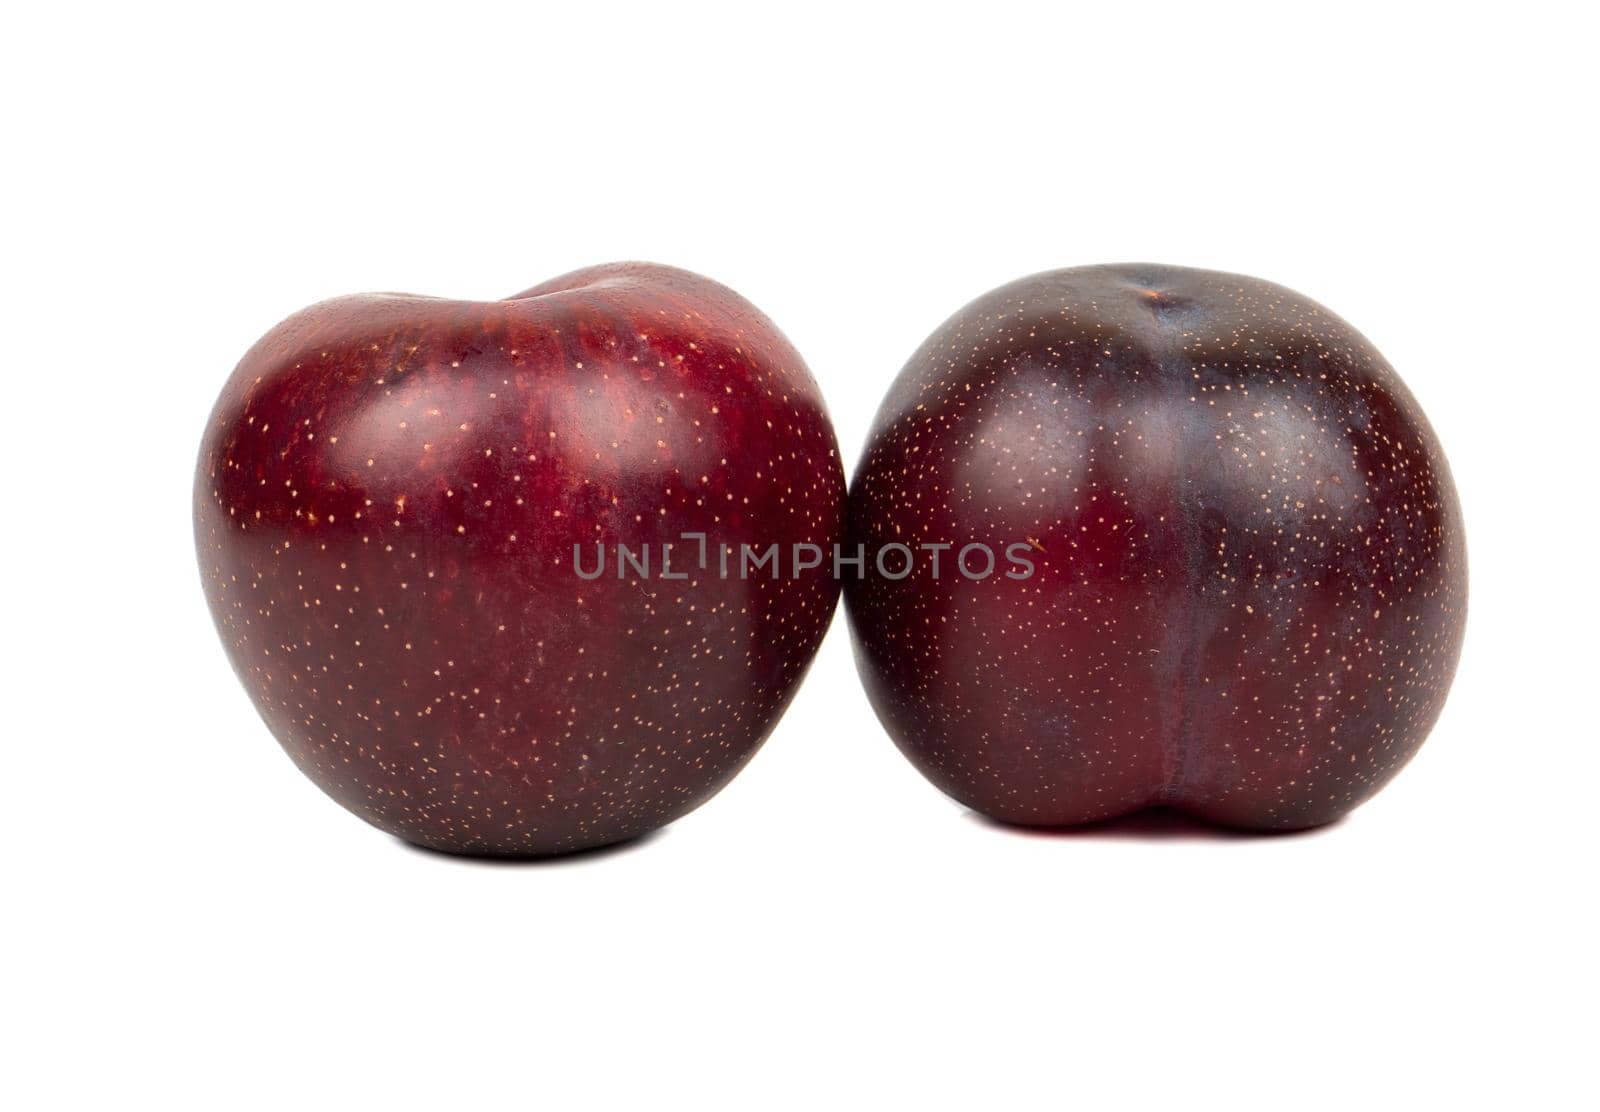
1250 579
387 501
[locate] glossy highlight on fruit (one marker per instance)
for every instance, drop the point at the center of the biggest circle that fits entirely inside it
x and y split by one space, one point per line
1251 577
387 503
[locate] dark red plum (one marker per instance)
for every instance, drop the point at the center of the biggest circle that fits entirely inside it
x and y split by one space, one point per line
389 499
1249 575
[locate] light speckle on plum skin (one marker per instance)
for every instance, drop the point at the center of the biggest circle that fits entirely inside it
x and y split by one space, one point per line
386 503
1251 579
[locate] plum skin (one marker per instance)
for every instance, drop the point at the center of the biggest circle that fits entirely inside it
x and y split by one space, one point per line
1251 580
386 504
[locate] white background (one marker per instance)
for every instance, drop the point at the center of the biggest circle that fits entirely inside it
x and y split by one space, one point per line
193 925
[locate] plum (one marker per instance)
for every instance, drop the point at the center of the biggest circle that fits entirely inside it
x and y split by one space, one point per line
391 499
1249 580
